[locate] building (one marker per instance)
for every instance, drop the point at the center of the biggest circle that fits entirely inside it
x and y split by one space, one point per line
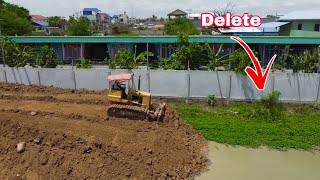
301 23
98 48
39 22
91 13
177 14
121 18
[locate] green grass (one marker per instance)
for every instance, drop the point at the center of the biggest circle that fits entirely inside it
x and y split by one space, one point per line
235 125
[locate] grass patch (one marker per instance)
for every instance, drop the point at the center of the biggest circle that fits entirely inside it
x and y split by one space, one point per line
235 124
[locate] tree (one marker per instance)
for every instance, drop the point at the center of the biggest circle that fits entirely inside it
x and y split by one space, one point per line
80 27
16 56
306 61
126 60
221 11
119 29
15 20
180 25
56 21
47 57
192 55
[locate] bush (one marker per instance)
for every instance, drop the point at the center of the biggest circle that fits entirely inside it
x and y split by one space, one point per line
212 100
47 57
84 64
270 107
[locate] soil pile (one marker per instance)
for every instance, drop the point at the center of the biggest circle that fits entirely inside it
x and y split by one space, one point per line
68 136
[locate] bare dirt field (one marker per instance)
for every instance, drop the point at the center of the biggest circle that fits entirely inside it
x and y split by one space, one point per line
69 136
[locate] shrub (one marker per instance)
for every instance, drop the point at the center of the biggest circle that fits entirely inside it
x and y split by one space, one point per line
84 64
212 100
47 57
270 107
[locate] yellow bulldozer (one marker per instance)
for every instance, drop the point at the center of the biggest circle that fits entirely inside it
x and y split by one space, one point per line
125 101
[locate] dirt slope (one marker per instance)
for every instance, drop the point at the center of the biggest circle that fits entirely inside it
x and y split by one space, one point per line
70 137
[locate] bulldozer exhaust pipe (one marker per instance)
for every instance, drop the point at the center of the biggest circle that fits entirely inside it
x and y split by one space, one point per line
139 81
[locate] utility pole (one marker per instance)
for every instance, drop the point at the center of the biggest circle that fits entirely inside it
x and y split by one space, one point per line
2 50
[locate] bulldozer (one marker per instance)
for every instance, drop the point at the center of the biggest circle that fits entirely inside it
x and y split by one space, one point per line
125 101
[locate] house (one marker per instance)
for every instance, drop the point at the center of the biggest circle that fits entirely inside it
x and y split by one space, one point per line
301 23
178 13
39 22
121 18
91 13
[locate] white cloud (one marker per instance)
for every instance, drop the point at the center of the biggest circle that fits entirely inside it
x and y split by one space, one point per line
145 8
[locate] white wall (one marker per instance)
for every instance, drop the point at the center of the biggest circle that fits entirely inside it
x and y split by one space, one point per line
193 84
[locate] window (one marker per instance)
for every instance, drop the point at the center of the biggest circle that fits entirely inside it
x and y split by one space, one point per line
299 26
317 27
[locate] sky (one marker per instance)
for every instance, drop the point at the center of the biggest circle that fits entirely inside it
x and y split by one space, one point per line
160 8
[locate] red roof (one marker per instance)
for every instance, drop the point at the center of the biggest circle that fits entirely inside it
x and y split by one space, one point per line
38 18
121 77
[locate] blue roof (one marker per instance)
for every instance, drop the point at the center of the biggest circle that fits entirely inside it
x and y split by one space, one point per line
271 26
91 9
40 24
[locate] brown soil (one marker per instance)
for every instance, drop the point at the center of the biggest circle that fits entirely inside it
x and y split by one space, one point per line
70 137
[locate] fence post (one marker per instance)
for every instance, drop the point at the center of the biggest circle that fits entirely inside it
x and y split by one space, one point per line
299 93
188 87
148 80
5 76
273 82
39 79
108 74
229 90
318 93
74 79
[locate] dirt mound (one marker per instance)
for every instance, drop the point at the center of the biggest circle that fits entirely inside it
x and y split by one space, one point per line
68 136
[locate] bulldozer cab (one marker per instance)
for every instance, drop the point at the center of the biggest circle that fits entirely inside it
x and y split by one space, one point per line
122 90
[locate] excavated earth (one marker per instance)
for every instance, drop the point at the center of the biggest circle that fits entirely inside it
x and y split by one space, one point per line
68 136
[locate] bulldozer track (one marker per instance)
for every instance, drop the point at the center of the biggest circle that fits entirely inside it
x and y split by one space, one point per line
128 112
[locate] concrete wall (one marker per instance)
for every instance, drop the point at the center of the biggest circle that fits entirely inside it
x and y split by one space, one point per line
193 84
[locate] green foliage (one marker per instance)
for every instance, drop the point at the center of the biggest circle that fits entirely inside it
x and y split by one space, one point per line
80 27
270 107
168 63
47 57
212 100
14 20
84 64
117 29
284 59
192 55
298 129
307 61
16 56
56 21
215 58
180 25
126 60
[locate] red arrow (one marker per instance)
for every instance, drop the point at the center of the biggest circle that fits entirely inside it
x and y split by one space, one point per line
257 76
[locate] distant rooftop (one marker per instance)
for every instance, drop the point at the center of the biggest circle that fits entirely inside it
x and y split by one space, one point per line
178 12
38 18
302 15
91 9
238 29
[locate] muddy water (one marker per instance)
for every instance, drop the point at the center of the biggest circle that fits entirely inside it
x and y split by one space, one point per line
230 163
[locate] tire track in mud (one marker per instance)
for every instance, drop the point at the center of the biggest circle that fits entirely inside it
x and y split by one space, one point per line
51 99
